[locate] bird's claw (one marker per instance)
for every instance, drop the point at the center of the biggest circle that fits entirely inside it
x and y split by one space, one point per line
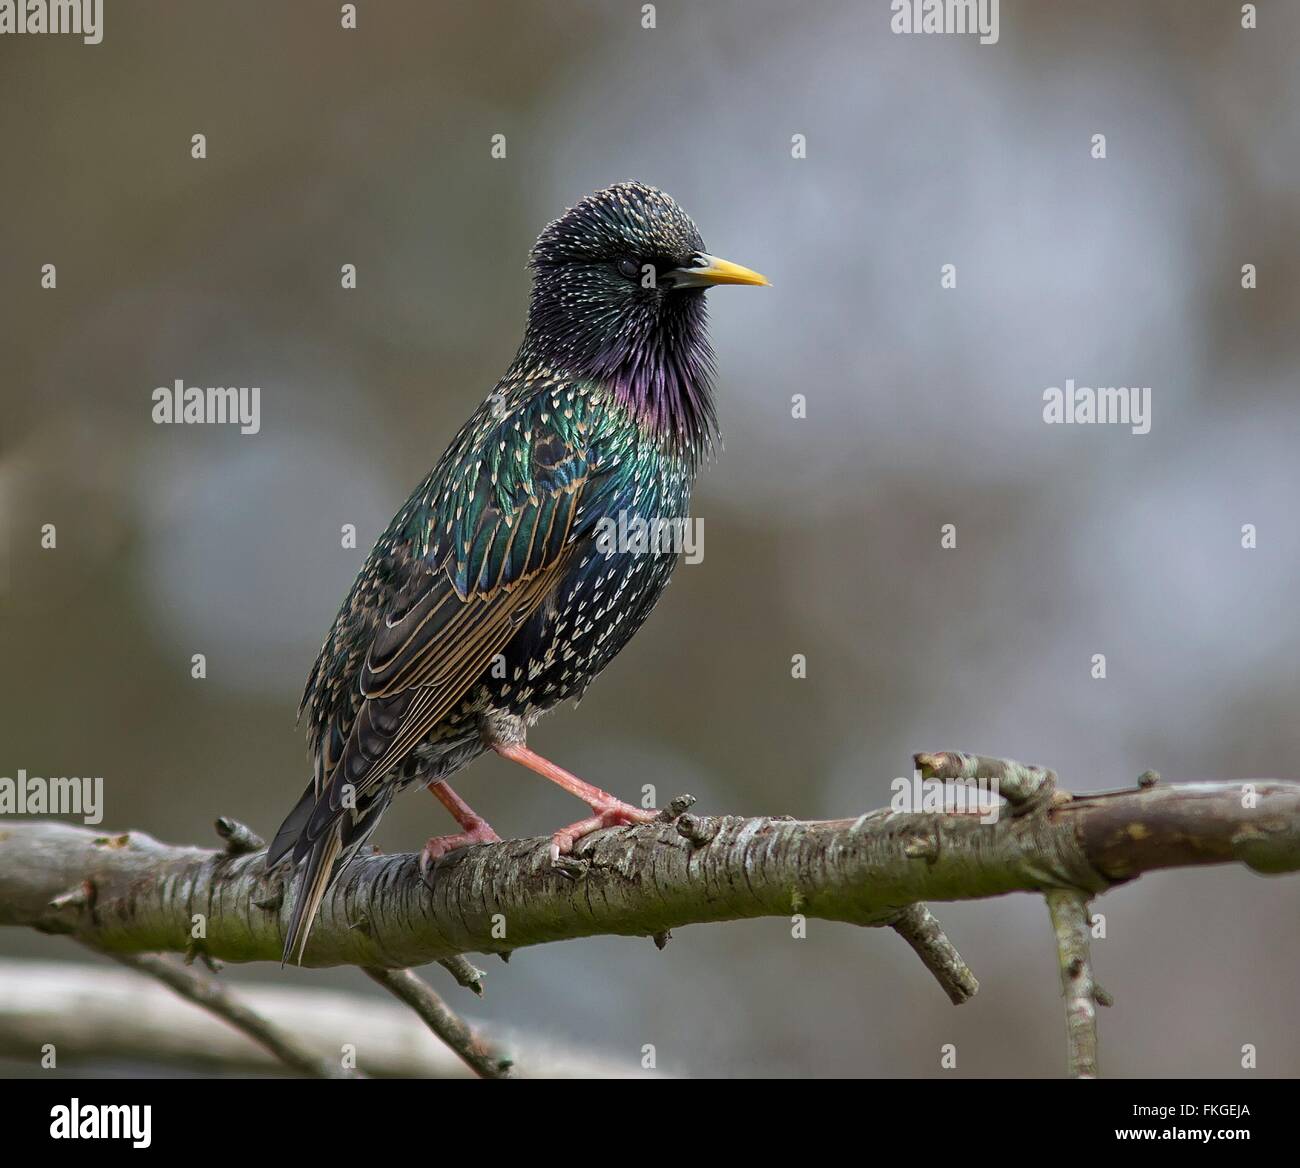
440 845
615 813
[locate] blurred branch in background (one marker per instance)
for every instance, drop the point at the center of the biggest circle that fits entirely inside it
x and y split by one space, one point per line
94 1014
208 994
129 893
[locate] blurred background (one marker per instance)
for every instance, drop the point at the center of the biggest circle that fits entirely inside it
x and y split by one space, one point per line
822 536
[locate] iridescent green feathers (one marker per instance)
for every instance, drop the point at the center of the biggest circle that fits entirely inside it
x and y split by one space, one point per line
533 470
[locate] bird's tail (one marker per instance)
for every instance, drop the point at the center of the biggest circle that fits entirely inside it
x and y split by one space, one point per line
295 823
312 886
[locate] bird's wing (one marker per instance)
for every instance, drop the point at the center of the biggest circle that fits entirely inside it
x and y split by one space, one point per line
507 533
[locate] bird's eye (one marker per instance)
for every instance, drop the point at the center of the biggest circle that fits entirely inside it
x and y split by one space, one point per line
629 267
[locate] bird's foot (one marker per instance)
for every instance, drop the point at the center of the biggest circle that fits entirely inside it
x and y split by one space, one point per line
478 833
609 812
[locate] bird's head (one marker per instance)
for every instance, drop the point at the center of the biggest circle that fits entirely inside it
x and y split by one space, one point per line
618 297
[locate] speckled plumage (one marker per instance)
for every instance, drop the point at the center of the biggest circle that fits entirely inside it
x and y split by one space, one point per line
487 600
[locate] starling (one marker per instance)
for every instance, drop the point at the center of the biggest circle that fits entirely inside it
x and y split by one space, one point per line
500 588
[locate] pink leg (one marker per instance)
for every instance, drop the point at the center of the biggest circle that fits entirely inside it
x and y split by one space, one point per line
474 828
610 811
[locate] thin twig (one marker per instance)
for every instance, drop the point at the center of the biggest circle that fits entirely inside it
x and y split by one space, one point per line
1023 786
465 972
918 927
443 1021
1069 911
213 997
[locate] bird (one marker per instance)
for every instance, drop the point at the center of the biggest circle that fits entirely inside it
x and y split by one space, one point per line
501 587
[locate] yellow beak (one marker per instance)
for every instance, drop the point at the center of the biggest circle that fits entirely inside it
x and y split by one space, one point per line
708 270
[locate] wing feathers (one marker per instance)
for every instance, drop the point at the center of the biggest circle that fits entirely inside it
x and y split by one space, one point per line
503 538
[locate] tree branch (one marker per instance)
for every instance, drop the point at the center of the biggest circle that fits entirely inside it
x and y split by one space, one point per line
131 894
